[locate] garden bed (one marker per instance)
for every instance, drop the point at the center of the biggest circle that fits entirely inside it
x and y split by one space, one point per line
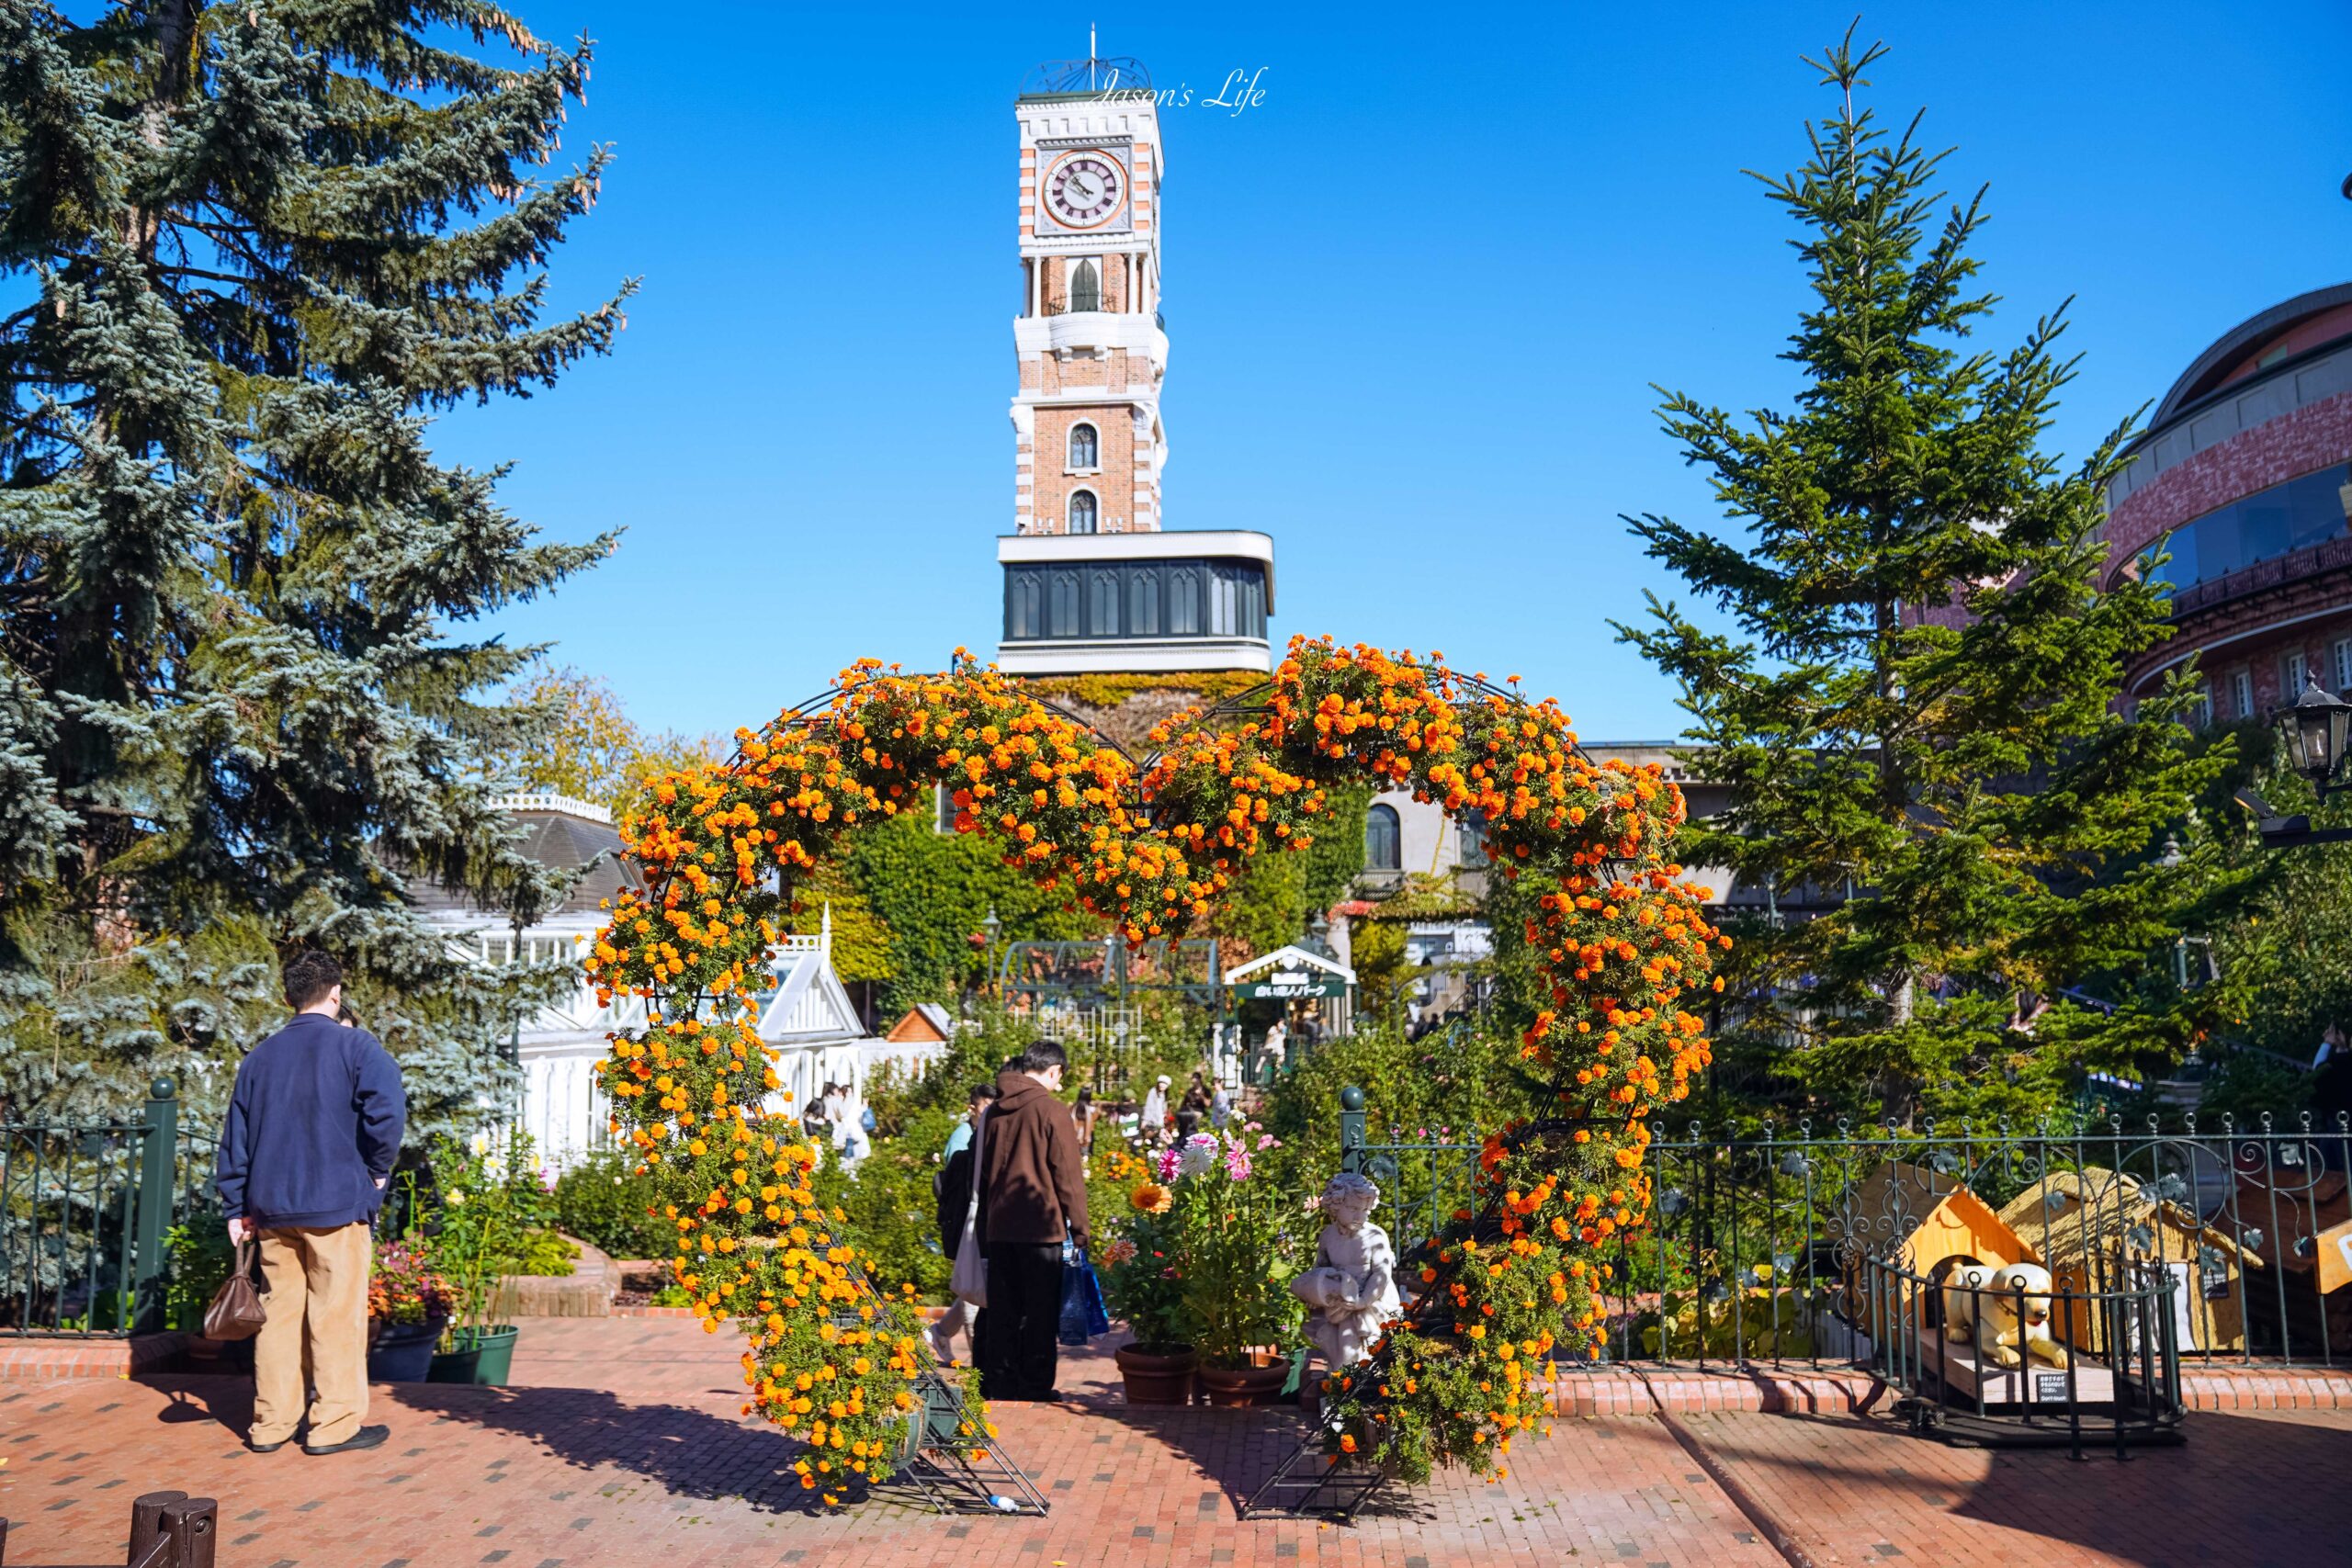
589 1291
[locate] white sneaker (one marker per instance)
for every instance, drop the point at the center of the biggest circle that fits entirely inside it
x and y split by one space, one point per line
940 1344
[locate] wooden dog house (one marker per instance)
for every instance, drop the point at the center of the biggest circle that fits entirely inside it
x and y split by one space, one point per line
2094 1227
1961 1227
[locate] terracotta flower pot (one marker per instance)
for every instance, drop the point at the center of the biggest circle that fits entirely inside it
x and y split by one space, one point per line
1161 1375
1235 1386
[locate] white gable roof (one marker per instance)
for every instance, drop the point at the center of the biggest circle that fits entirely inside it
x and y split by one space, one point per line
1290 958
810 1007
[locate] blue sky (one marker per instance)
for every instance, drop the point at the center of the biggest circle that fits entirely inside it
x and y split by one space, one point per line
1416 299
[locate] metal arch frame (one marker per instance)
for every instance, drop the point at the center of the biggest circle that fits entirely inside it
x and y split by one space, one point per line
963 1484
1451 684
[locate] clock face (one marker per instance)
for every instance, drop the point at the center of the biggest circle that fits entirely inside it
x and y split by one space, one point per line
1086 191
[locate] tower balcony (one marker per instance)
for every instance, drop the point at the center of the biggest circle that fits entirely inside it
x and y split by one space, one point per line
1137 603
1092 332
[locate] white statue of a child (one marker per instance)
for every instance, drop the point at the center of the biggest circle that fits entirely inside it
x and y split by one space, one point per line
1353 1286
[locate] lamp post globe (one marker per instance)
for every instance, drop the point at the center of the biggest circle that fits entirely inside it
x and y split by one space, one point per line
2314 731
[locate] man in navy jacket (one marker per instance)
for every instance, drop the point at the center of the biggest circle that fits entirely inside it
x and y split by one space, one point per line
314 1126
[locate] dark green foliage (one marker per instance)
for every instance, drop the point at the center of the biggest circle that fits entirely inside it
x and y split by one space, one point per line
1456 1085
1274 896
894 1208
1266 907
1919 700
2246 1084
2291 945
890 1199
249 248
1335 857
602 1199
200 1257
931 892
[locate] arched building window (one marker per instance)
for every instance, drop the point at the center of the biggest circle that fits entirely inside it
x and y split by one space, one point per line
1082 512
1085 286
1083 447
1384 848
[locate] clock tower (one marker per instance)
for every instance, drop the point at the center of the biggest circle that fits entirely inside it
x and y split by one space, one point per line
1093 581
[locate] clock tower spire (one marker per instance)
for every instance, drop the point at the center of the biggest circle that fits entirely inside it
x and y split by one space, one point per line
1089 445
1088 441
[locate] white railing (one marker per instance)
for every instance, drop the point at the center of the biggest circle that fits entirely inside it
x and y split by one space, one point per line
544 800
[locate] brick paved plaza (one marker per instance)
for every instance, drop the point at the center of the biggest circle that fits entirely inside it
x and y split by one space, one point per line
620 1443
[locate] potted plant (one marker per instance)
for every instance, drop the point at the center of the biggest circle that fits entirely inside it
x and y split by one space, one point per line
1236 1267
408 1306
1141 1282
489 1196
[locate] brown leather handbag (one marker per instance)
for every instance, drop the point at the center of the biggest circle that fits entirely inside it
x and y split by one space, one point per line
236 1311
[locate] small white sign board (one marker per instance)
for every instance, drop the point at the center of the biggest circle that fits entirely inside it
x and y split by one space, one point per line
2037 1382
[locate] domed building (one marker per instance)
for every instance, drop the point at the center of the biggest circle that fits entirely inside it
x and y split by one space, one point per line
2247 465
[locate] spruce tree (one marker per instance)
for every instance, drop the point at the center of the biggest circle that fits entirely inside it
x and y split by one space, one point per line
1916 707
250 249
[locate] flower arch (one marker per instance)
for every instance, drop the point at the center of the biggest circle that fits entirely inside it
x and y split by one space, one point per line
1152 846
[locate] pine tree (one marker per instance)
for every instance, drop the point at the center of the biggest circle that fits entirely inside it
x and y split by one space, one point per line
1919 705
252 248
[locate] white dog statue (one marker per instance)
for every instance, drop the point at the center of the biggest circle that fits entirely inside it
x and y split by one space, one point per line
2005 1309
1353 1286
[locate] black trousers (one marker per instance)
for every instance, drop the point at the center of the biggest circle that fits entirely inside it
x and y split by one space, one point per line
1015 1340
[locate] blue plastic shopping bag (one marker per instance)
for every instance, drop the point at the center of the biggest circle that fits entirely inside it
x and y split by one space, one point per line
1083 1316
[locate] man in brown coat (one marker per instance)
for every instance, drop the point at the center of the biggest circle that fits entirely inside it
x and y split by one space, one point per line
1033 1199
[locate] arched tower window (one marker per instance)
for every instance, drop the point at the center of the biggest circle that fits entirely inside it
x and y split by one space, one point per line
1083 446
1082 512
1384 848
1085 286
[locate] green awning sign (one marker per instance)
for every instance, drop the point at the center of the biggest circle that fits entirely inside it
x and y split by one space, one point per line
1288 986
1290 973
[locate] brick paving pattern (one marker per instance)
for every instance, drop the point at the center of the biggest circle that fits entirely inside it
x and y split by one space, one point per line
2247 1490
621 1442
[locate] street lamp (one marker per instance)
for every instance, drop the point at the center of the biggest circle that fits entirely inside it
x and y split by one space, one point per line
2313 730
991 928
2314 733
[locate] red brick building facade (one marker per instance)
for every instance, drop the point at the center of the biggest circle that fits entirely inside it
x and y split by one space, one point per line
2245 475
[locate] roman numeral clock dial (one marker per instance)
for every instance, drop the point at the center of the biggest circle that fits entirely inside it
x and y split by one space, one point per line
1086 191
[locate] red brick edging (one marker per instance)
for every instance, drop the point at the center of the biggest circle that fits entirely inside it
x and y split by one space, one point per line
1618 1390
31 1358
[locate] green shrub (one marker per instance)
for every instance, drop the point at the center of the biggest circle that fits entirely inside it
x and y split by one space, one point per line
892 1205
2245 1084
199 1255
606 1203
543 1253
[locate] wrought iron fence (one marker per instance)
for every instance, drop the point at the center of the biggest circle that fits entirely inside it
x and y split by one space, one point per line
86 1209
1757 1242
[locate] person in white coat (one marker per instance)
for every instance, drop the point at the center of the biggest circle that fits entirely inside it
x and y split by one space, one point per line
1155 1114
